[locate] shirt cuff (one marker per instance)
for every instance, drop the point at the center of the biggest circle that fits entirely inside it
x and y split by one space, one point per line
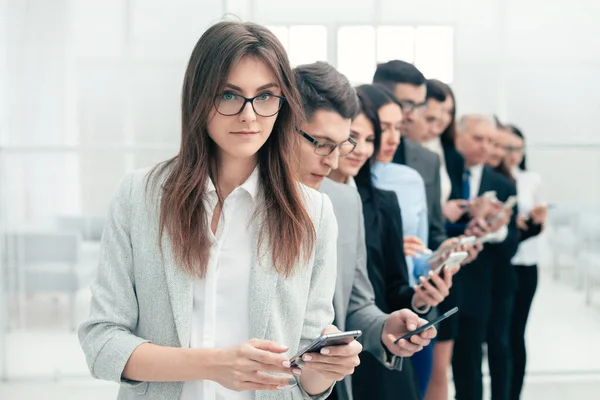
500 235
421 311
392 361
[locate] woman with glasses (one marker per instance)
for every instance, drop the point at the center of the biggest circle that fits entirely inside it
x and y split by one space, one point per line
531 219
377 128
216 265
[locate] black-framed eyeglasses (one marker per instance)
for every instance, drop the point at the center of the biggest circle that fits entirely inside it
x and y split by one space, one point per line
326 148
264 104
409 106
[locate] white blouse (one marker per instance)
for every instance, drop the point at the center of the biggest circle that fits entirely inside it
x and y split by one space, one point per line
435 145
220 314
529 192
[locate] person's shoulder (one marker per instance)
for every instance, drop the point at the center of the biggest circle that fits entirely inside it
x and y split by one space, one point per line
423 152
500 179
314 201
341 195
138 181
386 197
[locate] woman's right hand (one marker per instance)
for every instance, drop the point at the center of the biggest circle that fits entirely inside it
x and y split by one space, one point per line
243 367
454 209
539 214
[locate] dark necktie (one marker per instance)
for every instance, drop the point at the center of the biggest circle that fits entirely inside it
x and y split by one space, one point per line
466 185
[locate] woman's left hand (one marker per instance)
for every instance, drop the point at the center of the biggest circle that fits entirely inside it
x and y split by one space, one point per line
333 362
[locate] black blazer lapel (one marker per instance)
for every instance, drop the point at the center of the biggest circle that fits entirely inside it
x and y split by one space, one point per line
486 181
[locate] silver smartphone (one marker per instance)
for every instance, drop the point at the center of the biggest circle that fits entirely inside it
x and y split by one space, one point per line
508 205
439 253
330 339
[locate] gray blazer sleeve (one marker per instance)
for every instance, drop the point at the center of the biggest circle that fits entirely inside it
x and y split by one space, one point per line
437 230
106 337
319 309
363 314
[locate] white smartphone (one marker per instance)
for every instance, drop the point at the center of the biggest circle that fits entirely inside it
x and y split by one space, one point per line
485 238
441 252
490 195
453 261
508 205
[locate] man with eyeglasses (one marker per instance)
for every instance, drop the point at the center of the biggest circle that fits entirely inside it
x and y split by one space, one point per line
408 85
330 103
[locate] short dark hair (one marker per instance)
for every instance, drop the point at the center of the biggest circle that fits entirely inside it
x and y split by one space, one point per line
396 71
435 92
322 87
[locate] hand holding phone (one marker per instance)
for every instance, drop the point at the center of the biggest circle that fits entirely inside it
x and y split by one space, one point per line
508 205
453 261
435 259
330 339
428 325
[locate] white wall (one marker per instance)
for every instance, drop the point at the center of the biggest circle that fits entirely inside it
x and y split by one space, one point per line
532 62
108 72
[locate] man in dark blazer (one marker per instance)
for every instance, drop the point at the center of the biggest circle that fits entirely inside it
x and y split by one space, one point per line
330 103
409 87
476 281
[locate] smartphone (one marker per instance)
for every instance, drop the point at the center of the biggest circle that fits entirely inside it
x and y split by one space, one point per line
453 260
484 239
490 195
508 205
441 252
428 325
330 339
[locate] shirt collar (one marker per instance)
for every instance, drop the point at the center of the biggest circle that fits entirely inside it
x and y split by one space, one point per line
476 170
250 185
351 182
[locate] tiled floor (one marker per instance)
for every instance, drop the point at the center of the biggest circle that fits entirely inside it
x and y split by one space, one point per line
564 358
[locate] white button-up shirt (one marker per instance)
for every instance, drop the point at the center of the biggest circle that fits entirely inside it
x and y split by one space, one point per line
529 190
220 307
475 184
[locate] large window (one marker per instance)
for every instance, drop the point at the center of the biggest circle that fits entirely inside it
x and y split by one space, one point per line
304 43
360 48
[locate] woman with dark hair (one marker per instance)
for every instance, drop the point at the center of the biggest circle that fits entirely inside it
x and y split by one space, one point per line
447 123
370 167
218 245
531 218
386 262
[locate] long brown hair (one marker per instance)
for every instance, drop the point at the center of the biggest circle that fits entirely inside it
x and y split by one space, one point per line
448 137
287 224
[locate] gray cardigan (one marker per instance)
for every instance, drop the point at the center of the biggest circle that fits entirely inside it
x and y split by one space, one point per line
142 296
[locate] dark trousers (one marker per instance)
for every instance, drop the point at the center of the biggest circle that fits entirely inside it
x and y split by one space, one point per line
467 357
499 348
526 287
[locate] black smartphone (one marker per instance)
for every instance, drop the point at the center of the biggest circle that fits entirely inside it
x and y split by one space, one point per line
428 325
330 339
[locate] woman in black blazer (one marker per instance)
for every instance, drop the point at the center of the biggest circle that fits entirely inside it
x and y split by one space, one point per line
386 262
